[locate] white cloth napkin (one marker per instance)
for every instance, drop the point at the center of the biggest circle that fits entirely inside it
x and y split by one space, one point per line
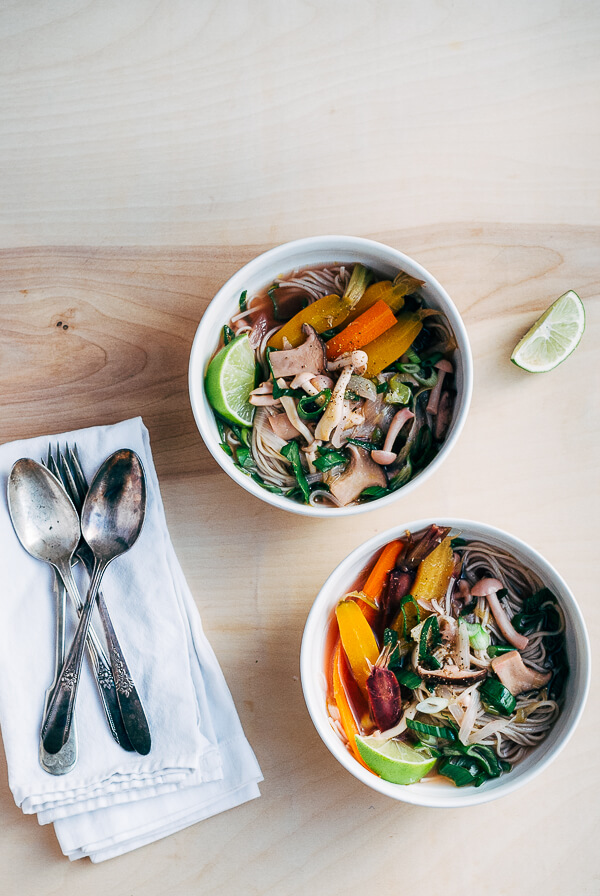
200 762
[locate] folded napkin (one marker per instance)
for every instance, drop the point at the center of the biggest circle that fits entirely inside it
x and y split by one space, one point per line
200 762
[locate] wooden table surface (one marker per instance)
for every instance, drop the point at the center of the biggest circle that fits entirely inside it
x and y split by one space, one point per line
147 151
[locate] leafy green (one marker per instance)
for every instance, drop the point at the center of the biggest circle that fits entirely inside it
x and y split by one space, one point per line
330 459
443 733
243 302
276 310
496 698
430 637
470 764
469 608
244 458
228 334
291 452
406 623
408 678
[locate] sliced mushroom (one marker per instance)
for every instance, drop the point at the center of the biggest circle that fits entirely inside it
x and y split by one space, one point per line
452 675
361 473
310 356
357 359
335 408
516 676
386 456
443 367
488 588
283 427
443 416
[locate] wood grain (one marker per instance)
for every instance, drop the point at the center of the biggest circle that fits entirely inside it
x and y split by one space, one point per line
185 122
527 462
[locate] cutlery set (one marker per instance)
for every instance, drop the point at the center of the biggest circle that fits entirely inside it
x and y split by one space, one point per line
61 522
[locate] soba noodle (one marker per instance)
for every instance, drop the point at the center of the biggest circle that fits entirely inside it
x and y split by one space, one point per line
458 705
369 405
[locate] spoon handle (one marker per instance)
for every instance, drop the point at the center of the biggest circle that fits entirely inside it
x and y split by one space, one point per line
103 677
57 724
62 762
132 716
132 711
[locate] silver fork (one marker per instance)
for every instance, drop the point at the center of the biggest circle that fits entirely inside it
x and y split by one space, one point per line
132 710
100 665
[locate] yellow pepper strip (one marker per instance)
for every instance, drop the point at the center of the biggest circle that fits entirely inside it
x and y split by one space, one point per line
392 344
434 572
346 715
358 641
324 314
391 293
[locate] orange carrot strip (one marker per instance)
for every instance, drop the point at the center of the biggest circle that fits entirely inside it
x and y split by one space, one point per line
346 715
386 561
367 327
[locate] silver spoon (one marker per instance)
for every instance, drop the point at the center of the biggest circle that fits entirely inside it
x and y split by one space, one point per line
111 520
47 525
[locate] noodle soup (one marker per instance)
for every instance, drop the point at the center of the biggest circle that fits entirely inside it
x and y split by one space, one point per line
447 661
355 385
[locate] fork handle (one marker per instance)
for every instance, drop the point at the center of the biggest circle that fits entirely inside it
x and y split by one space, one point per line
132 711
107 691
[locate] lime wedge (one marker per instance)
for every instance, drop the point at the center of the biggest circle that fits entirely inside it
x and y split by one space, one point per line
230 380
553 337
393 760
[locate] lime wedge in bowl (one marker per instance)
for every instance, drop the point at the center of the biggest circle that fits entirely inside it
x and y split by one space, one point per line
393 760
230 380
553 337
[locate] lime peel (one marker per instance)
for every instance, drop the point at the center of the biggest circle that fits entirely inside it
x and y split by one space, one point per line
230 379
553 337
393 760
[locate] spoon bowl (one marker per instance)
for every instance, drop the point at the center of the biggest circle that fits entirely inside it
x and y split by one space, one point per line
42 513
115 505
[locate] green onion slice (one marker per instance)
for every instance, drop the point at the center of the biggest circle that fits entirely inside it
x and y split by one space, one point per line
479 638
310 407
499 649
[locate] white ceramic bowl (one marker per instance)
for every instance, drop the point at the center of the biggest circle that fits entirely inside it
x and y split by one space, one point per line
312 666
260 272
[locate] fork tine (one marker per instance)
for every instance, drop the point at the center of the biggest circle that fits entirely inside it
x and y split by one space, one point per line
70 483
53 467
76 468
